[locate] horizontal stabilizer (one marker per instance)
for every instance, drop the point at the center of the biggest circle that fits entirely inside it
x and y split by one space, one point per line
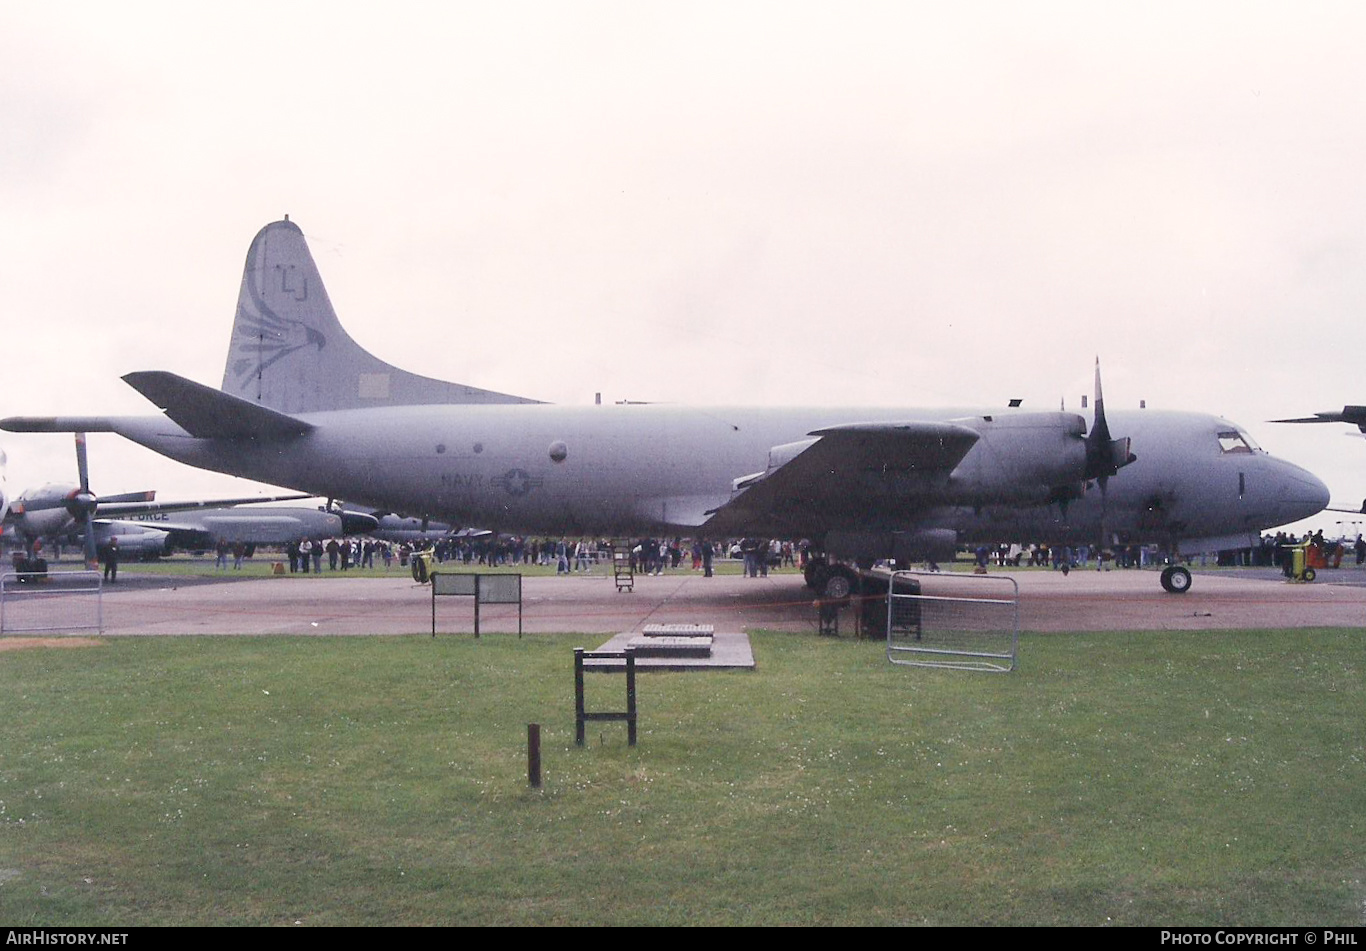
57 424
206 413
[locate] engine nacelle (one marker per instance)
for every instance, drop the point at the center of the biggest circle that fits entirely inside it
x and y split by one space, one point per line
1020 458
134 541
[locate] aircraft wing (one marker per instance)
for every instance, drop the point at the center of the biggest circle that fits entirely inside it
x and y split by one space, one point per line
261 525
842 471
1356 415
257 526
108 510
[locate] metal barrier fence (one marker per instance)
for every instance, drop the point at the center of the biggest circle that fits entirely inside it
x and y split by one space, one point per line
34 602
962 622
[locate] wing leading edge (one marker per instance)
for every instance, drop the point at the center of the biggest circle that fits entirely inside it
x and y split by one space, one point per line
1356 415
843 470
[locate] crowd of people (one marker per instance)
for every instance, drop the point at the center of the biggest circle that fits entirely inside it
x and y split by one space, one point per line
646 555
341 554
758 556
1271 551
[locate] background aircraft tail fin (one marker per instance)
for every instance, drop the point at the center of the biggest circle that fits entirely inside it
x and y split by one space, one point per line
290 353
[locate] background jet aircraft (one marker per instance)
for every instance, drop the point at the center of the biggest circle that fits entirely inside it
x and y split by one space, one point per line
56 510
160 533
303 405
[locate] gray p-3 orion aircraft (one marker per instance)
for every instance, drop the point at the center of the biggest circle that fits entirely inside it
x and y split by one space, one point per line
303 405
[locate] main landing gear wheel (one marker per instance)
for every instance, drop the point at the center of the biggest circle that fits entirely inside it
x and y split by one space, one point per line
830 582
1176 579
838 584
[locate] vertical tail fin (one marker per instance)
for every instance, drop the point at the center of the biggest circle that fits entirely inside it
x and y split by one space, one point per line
290 353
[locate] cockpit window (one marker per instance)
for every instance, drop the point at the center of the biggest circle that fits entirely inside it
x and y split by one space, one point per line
1235 440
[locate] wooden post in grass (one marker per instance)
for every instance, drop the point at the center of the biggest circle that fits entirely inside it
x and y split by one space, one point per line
533 754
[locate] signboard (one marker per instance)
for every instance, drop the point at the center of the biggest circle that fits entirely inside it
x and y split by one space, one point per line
485 589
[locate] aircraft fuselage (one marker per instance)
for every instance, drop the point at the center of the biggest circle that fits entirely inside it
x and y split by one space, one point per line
620 470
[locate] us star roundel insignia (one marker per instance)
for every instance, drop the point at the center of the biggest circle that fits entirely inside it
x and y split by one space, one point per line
518 482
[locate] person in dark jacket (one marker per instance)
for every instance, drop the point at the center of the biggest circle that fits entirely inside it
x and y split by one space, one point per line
109 556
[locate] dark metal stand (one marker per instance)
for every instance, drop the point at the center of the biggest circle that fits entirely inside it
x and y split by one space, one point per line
581 717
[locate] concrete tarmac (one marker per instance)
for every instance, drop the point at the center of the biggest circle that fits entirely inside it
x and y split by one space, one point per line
335 604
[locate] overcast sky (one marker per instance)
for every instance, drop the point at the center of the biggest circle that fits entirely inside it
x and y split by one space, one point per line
779 203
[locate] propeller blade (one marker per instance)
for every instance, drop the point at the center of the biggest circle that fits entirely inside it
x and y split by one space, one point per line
82 467
1104 505
1098 465
92 558
80 502
82 505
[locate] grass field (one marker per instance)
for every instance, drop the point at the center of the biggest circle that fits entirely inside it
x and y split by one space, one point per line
1210 778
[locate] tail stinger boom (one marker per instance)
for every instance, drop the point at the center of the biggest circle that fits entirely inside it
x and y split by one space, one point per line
289 352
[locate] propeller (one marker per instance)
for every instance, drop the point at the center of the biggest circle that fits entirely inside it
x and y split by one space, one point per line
81 503
1104 456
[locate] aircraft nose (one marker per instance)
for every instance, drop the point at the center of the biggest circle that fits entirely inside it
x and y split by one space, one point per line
1302 494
